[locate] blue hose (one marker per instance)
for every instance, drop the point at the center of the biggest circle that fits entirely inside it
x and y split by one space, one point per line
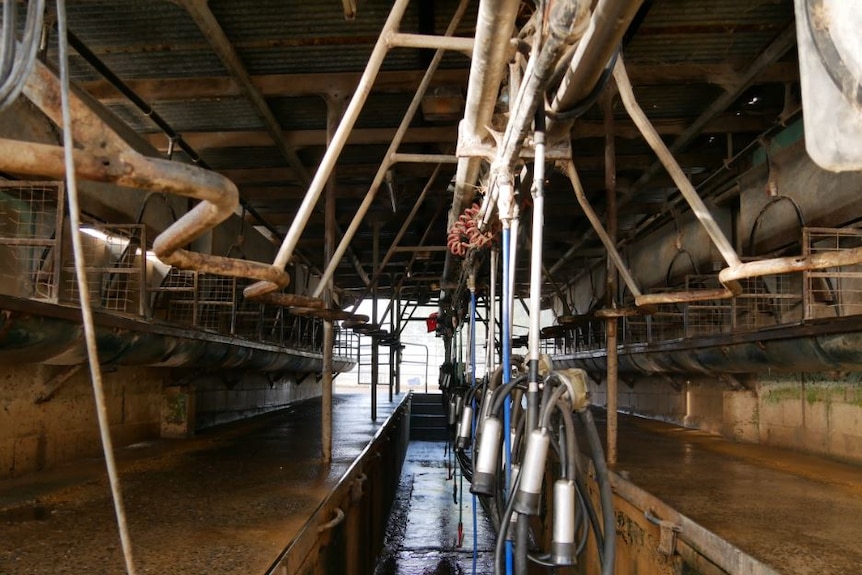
473 421
507 376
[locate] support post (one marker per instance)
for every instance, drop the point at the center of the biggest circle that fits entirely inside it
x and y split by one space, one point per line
611 291
392 346
334 109
375 358
398 341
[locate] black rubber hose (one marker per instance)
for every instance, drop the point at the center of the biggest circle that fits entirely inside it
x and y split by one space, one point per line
604 479
522 539
500 544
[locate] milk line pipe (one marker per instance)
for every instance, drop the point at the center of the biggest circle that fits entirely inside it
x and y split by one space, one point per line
513 259
491 348
84 294
536 271
388 158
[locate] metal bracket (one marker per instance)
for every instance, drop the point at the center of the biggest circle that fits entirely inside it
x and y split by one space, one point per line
668 530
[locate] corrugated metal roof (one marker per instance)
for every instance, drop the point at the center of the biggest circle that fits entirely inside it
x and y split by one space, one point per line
199 115
698 48
724 12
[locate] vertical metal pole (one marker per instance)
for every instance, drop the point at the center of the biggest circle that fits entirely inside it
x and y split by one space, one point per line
611 331
490 356
392 346
398 341
375 359
334 108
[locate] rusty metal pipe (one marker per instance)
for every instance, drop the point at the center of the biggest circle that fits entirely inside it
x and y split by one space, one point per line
107 158
384 167
422 158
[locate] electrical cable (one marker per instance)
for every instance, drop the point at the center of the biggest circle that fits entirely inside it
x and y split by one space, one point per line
580 108
605 495
83 291
16 62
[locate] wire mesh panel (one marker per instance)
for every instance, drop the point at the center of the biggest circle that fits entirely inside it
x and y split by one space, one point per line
216 302
248 316
834 291
768 301
174 300
30 247
115 260
708 317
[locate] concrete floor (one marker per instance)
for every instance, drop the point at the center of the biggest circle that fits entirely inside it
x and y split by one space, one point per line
228 501
225 502
799 514
422 534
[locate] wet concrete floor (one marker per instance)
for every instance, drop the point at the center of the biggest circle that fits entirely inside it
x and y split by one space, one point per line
422 533
800 514
225 502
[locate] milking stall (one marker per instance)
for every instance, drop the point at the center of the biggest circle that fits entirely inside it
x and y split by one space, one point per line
431 287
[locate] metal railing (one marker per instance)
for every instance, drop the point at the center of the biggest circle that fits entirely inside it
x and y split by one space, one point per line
127 279
766 302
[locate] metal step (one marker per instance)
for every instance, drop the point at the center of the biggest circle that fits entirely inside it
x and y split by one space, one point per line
427 418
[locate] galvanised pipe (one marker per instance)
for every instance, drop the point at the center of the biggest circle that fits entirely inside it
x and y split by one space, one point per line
393 146
674 170
333 151
495 24
607 25
611 248
432 42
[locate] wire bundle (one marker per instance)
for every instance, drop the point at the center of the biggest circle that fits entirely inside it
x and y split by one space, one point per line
17 59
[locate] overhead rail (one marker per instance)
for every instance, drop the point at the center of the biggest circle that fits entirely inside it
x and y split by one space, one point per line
389 38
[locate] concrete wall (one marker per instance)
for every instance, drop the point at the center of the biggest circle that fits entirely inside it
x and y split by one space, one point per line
691 402
220 400
64 428
38 436
818 413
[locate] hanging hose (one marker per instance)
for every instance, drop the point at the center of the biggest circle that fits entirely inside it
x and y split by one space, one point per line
604 481
83 291
16 61
473 419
